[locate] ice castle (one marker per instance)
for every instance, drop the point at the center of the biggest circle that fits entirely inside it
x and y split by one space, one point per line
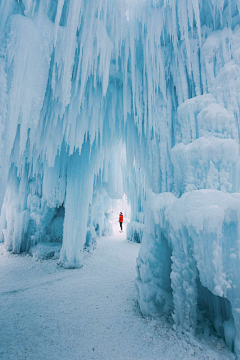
104 97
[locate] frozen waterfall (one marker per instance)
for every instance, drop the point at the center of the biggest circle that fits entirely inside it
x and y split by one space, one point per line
104 97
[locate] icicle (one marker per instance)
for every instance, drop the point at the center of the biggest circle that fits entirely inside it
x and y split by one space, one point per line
57 20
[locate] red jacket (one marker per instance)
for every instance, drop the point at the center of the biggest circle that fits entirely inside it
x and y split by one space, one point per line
121 218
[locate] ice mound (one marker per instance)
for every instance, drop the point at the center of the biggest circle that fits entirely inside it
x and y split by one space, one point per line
206 163
188 240
45 251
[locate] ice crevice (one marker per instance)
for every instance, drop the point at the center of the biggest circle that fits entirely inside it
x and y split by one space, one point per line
102 98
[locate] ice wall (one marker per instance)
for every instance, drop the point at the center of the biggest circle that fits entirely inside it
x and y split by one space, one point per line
199 232
84 82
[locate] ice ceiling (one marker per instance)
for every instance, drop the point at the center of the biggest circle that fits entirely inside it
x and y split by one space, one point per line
102 97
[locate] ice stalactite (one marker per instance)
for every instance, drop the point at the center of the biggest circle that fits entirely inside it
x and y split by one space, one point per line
85 82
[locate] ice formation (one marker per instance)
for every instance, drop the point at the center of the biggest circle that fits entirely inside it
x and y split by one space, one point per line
105 97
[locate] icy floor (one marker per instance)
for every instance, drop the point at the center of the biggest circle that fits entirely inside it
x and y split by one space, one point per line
47 312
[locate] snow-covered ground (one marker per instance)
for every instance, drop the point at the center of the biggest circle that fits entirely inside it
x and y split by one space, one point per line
47 312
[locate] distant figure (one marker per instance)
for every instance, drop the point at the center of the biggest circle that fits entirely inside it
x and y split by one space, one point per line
121 219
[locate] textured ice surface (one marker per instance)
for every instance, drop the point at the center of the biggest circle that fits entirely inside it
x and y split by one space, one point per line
45 251
98 99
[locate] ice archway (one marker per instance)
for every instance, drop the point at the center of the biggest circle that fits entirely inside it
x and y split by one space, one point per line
80 81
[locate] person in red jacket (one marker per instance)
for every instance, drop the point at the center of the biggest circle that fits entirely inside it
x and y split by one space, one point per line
120 219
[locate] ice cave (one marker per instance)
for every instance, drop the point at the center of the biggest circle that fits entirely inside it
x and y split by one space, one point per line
128 99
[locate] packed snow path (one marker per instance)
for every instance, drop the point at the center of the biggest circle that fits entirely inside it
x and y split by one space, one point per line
48 312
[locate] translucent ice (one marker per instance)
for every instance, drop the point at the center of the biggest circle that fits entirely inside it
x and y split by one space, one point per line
102 98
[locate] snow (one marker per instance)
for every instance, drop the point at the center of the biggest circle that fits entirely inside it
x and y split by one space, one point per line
45 251
89 313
